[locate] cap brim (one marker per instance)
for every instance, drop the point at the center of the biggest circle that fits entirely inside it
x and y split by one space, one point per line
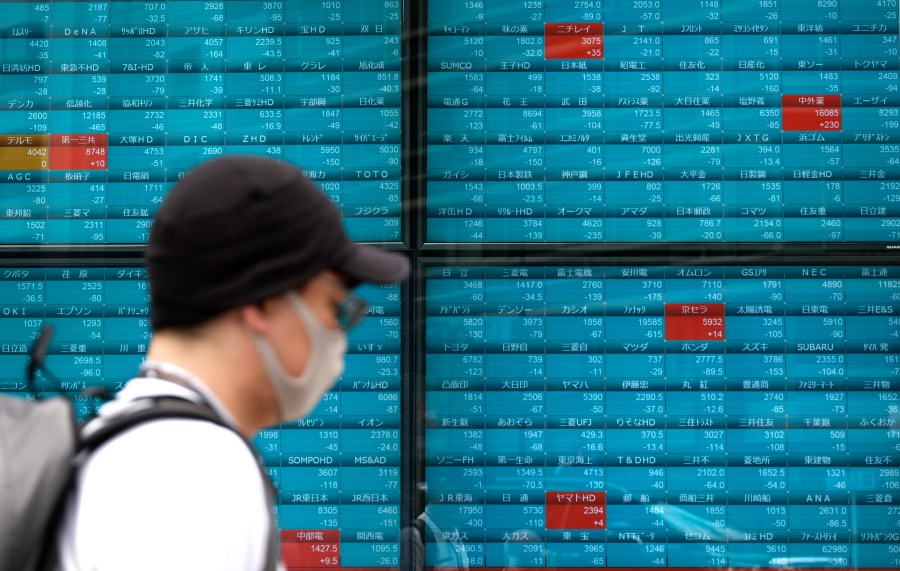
369 265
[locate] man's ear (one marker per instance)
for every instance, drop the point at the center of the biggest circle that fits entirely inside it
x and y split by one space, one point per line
253 316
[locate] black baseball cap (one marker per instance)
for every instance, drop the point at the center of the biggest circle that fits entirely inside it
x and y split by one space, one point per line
242 228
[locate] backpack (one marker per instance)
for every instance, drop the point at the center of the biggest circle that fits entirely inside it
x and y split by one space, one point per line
40 450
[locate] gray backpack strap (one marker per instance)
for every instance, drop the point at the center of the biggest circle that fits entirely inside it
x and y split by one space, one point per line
157 408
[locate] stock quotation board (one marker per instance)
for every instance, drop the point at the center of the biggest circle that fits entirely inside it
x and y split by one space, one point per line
105 104
663 121
336 471
740 416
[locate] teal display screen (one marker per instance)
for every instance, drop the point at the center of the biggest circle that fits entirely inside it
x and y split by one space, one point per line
105 104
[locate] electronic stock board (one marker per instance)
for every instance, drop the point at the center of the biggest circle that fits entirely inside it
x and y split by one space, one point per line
589 414
574 415
106 104
663 121
628 415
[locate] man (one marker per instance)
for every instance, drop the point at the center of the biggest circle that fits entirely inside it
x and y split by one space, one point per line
249 273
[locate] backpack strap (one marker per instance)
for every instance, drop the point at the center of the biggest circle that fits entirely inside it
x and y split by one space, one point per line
103 429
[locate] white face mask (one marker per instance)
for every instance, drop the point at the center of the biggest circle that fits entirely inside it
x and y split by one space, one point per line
298 395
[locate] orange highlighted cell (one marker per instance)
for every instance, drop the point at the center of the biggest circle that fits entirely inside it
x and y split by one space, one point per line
311 548
23 158
24 152
573 41
811 113
576 510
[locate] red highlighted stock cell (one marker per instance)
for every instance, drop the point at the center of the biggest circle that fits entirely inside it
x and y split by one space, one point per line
811 113
695 321
573 41
576 510
79 152
311 548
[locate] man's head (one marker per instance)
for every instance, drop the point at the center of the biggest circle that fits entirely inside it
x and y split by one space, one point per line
241 229
250 245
